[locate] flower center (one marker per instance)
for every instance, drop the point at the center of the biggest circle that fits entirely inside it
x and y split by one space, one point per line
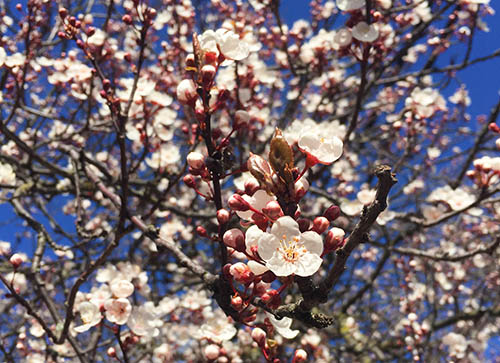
292 249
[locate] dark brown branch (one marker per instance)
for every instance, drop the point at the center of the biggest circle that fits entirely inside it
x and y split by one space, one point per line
314 295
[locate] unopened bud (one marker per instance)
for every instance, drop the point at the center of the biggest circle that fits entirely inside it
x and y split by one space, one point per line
16 260
90 31
301 187
241 273
259 168
127 19
237 203
111 352
497 143
207 75
235 238
189 180
299 356
332 213
241 119
273 209
304 224
251 186
202 232
223 216
212 351
63 13
190 61
186 92
494 127
151 13
237 302
259 336
196 160
320 224
334 239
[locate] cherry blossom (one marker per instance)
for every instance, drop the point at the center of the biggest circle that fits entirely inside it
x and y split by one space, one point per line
350 5
90 315
321 149
287 251
283 326
118 310
365 32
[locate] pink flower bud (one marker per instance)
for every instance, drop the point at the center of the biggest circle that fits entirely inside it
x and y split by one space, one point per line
189 180
127 19
237 203
223 216
259 167
332 213
241 119
201 231
320 224
63 13
251 186
190 61
259 336
196 160
273 209
16 260
235 238
334 239
241 273
299 356
212 351
186 92
207 75
304 224
494 127
237 302
111 352
151 13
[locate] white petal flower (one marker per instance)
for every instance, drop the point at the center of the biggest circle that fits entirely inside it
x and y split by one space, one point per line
258 201
287 251
252 237
283 326
90 315
365 32
121 288
325 150
141 322
350 5
232 47
218 329
343 37
118 310
226 41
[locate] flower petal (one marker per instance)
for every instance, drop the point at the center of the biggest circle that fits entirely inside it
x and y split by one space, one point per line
252 237
312 242
285 226
280 267
267 245
307 265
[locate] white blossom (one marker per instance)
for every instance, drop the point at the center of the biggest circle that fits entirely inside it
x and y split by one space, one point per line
288 251
90 315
